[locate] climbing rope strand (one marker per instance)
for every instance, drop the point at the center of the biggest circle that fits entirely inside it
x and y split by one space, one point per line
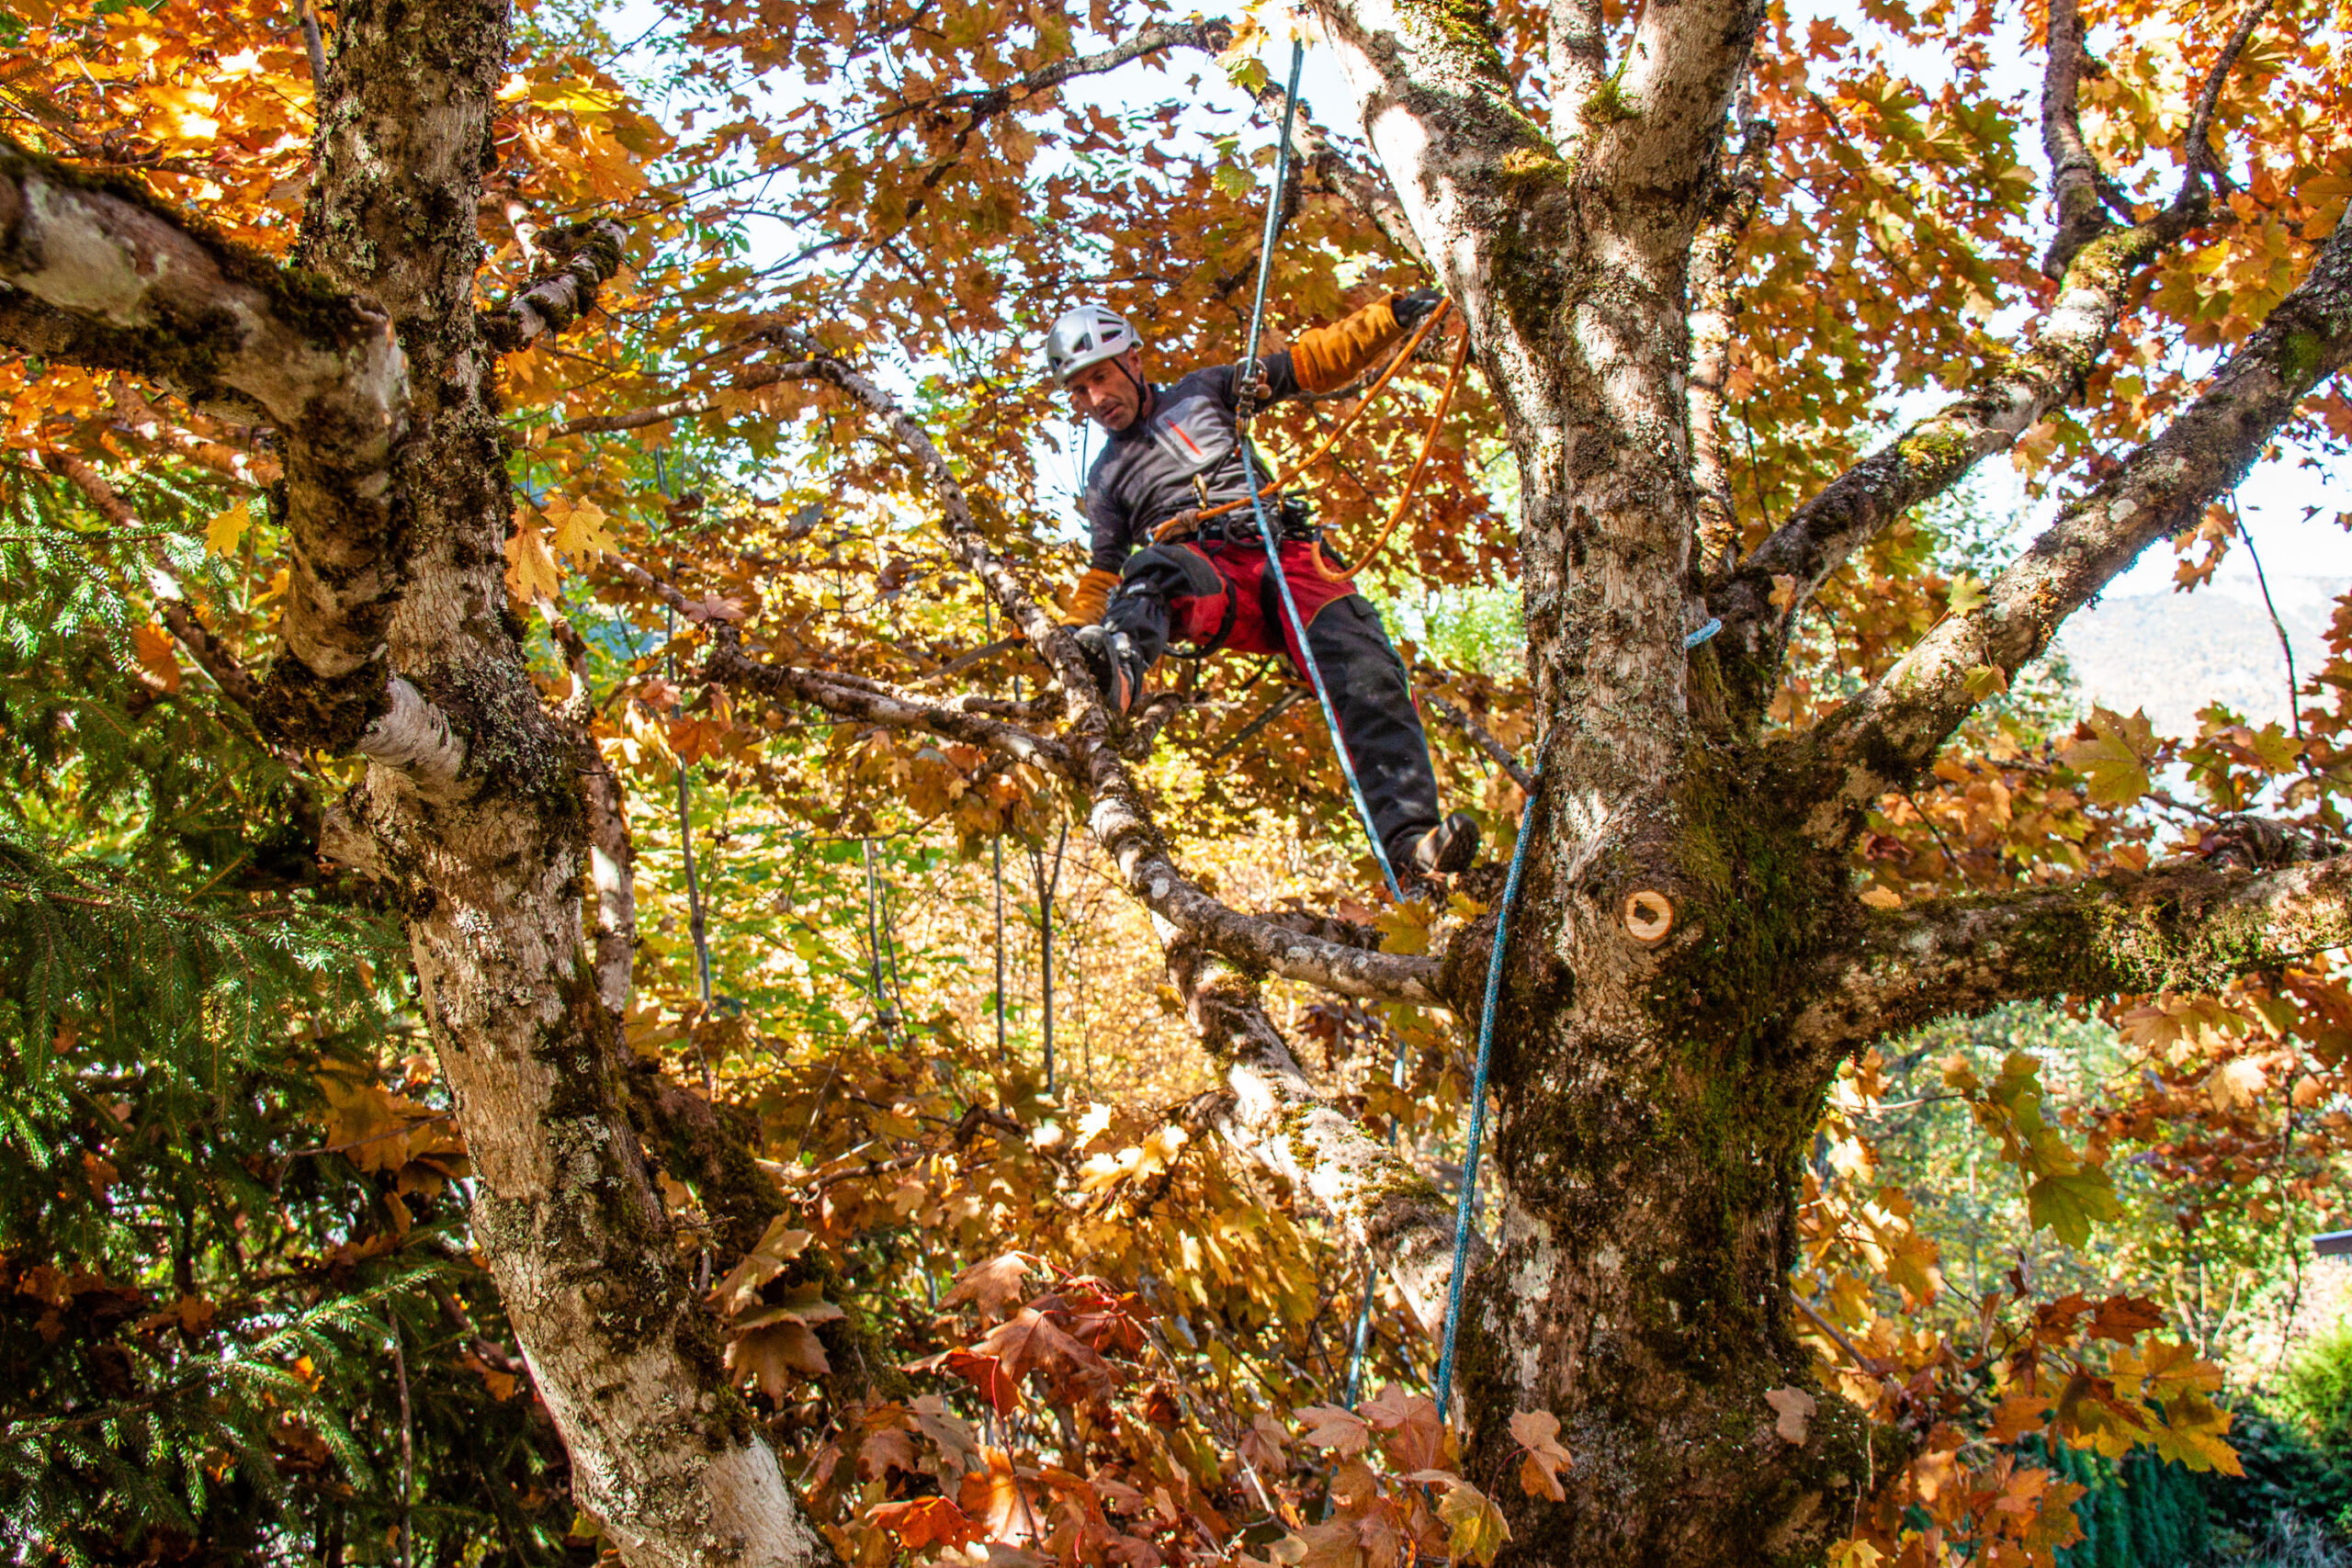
1266 533
1413 480
1469 1199
1332 438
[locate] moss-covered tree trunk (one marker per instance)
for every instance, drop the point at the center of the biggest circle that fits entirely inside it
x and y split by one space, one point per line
488 861
400 645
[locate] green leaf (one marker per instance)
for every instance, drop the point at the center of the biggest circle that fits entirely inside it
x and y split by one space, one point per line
2065 1203
1476 1525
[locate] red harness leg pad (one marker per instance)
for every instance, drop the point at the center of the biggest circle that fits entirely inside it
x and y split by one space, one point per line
1259 623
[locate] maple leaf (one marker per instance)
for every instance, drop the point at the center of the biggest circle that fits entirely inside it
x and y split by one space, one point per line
991 1286
1329 1427
2020 1411
777 1245
777 1352
2065 1203
225 531
2123 1318
531 572
1331 1544
367 1124
1476 1526
2114 759
986 1374
882 1449
922 1523
1032 1342
1538 1431
1792 1409
156 655
712 607
580 527
958 1445
1413 1434
992 1496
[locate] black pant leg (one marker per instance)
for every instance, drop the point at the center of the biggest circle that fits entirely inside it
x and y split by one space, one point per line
1384 734
1154 581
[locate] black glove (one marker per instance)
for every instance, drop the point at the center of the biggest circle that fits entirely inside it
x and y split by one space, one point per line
1410 310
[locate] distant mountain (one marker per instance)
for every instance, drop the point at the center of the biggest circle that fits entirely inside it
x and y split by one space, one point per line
2173 653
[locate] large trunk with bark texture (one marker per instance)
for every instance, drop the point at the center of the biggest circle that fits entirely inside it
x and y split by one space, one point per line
1653 1103
489 863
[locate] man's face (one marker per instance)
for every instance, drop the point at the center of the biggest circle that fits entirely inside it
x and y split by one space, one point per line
1109 390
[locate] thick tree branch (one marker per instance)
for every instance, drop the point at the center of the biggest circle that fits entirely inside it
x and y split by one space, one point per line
123 284
1283 1121
2074 172
1761 601
1658 124
1882 737
874 703
1576 57
2202 163
1331 170
2190 928
591 256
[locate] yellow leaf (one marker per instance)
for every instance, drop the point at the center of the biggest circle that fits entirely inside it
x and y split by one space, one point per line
223 535
580 527
1984 680
1883 899
1967 593
1477 1530
531 572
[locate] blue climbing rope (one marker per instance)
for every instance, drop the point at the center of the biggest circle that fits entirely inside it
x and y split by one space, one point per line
1257 502
1469 1199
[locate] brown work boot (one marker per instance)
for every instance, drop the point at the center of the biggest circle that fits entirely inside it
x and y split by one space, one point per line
1448 848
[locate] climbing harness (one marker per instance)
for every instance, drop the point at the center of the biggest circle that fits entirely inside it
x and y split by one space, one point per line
1469 1198
1184 521
1266 533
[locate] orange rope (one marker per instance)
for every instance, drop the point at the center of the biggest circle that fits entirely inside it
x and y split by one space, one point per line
1184 520
1412 480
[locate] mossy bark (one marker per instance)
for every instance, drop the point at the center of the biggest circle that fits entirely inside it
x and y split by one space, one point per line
488 865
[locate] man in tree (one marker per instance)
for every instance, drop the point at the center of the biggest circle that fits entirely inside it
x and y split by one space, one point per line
1166 560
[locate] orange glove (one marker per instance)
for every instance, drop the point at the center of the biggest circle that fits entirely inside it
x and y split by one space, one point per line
1326 358
1090 598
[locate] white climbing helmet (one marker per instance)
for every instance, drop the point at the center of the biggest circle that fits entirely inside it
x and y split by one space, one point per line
1087 335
